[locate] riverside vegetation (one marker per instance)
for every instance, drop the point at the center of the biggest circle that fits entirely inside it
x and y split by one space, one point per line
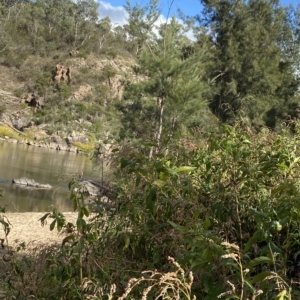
206 157
225 206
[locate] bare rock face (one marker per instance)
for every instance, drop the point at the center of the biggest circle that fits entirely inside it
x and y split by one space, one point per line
81 93
62 73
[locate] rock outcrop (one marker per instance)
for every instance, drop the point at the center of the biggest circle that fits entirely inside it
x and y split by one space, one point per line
30 183
33 101
62 73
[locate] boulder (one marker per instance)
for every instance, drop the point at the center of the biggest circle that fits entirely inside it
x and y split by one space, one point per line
25 182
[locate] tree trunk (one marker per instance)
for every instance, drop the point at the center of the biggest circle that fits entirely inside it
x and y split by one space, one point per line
160 103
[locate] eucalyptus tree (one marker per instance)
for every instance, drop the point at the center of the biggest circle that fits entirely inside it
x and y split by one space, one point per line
85 16
104 32
140 23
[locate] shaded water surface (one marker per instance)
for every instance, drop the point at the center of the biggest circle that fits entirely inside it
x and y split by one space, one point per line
44 166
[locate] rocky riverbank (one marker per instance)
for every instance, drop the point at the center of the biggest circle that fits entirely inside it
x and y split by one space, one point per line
60 144
54 143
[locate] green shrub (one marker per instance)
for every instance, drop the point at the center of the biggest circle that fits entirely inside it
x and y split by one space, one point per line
65 90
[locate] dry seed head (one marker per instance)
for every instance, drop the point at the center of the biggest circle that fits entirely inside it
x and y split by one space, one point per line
231 255
129 287
230 292
257 293
167 276
225 294
113 289
232 246
146 292
191 277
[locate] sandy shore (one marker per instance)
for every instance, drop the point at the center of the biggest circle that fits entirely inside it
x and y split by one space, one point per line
26 227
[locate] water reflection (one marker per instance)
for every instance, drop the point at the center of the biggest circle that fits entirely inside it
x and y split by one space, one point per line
44 166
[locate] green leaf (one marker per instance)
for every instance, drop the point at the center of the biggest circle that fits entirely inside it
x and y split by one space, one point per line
43 218
207 223
259 214
177 227
250 285
184 169
275 248
138 180
253 240
60 224
86 211
246 141
258 261
75 204
127 242
151 199
125 163
52 225
80 223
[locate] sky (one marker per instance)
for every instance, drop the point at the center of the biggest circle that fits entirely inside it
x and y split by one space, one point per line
114 8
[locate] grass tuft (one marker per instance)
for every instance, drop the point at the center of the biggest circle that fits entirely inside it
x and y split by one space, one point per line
85 147
6 131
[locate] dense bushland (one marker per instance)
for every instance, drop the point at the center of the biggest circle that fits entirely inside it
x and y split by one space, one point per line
225 205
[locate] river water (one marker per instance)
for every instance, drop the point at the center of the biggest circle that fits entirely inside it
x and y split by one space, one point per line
44 166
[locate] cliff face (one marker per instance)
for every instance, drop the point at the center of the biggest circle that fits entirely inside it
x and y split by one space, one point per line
33 99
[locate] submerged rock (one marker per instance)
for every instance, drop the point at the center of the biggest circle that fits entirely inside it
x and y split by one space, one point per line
30 183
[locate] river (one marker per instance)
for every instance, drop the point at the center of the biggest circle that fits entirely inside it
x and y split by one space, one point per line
44 166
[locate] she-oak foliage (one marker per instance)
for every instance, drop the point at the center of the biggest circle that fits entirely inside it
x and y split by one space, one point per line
255 55
169 92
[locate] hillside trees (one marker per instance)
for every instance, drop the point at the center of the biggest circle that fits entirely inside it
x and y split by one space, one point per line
253 48
140 23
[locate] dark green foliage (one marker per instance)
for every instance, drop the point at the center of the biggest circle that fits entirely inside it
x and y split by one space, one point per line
172 96
255 55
